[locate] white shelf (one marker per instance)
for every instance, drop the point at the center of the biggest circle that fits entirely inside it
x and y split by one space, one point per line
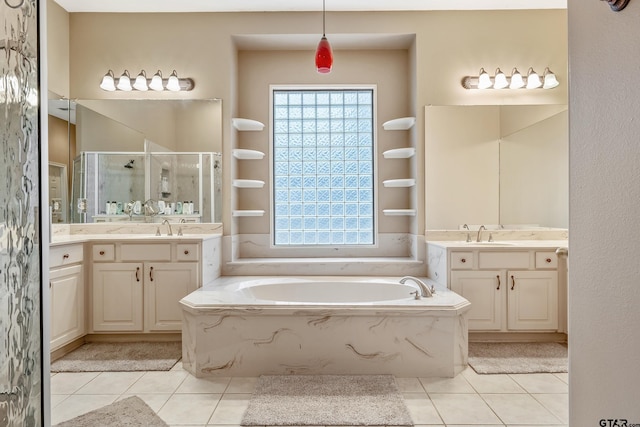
410 182
248 183
248 213
399 153
399 212
402 123
242 154
247 124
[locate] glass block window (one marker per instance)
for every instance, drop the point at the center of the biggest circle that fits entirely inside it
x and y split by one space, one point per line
323 167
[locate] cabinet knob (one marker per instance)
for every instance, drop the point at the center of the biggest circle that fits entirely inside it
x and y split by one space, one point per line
463 260
186 252
101 252
65 256
548 260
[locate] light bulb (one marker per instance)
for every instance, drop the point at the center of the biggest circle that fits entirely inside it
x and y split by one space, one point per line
533 79
156 82
107 82
173 84
516 79
500 80
484 81
141 82
124 82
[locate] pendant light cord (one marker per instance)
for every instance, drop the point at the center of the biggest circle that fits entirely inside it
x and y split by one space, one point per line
323 13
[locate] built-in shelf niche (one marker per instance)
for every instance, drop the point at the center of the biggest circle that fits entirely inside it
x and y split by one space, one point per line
243 154
402 123
248 183
399 153
399 212
247 212
247 124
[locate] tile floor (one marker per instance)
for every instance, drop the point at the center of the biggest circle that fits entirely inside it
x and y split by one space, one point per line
468 400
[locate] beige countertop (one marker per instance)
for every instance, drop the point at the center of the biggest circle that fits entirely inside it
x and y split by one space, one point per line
501 244
147 238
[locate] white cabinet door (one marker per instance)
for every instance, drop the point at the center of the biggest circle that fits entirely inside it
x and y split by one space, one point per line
67 305
485 292
532 300
117 296
165 285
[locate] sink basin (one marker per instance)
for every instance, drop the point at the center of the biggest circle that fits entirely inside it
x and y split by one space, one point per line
488 243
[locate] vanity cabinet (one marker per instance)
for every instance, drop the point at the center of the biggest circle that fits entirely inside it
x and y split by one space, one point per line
137 286
514 290
67 293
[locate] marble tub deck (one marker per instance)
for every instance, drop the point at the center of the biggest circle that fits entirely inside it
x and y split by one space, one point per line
229 334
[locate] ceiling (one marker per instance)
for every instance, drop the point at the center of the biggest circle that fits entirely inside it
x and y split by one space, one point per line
300 5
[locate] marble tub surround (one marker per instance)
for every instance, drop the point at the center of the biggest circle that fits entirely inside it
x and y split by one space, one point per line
394 254
499 234
227 332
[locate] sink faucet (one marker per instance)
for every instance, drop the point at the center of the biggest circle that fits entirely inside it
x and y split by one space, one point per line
424 291
182 221
466 227
166 221
482 227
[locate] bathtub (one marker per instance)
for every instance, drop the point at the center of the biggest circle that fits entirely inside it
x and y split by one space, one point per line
250 326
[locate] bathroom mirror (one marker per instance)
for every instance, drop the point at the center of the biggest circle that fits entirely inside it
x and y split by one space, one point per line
135 125
496 165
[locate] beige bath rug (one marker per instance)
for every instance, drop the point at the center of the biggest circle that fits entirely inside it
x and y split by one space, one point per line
129 412
120 356
517 358
326 400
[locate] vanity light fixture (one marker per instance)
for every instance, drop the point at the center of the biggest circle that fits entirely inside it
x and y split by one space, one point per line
124 82
142 83
108 82
324 54
549 79
516 81
533 79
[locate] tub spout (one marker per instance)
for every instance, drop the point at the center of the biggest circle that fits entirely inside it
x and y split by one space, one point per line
425 291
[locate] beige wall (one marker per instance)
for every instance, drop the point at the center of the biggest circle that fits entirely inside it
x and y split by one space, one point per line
448 46
57 49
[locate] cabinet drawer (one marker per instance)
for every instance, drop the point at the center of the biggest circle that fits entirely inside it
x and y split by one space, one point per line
65 255
546 260
187 252
145 252
503 260
462 260
103 252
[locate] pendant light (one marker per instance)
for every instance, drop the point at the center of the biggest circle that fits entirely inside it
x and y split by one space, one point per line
324 55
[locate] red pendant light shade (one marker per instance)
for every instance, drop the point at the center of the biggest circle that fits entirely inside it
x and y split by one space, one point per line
324 56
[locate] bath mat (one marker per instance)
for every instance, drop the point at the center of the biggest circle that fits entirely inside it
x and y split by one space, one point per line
129 412
120 356
326 400
517 358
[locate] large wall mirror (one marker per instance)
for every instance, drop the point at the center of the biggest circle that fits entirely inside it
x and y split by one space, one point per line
496 165
138 150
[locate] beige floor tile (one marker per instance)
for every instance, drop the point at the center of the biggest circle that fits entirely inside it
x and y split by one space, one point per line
70 382
519 409
421 408
158 382
155 401
463 409
409 385
192 384
57 398
497 383
76 405
110 383
457 384
177 367
189 408
557 404
564 377
242 385
541 383
230 409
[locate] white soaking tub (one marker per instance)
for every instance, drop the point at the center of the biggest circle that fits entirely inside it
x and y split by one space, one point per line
250 326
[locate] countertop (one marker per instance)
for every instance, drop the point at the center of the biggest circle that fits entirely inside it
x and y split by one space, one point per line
502 244
147 238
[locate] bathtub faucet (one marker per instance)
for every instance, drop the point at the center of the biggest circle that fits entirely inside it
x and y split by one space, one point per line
425 291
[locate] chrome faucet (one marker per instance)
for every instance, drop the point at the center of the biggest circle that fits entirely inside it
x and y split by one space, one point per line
182 221
482 227
424 290
166 221
466 227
